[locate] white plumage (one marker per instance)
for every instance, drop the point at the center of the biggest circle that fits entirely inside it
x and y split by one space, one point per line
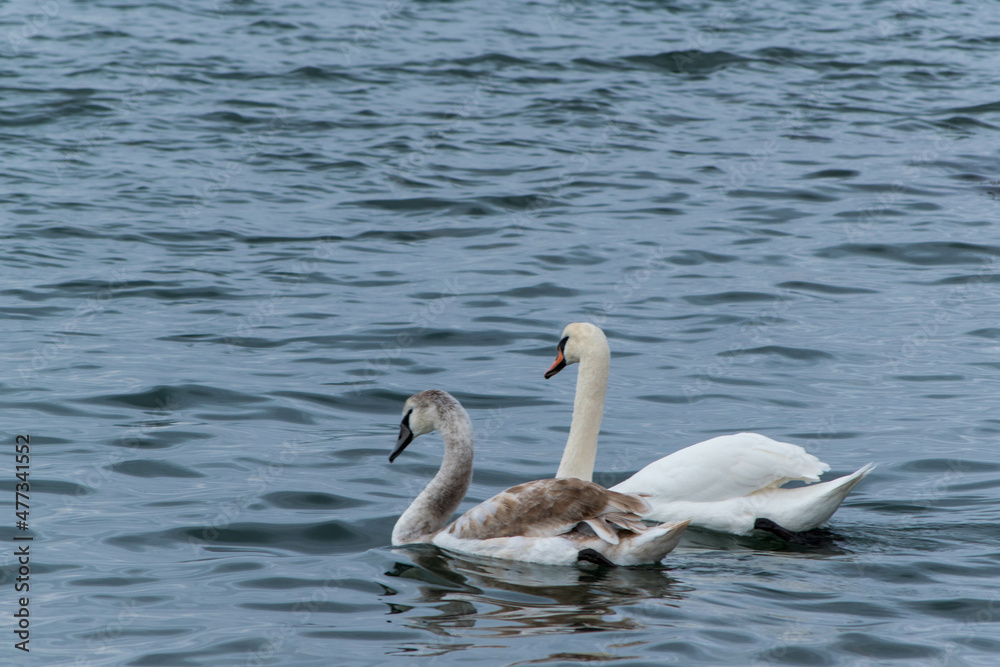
724 484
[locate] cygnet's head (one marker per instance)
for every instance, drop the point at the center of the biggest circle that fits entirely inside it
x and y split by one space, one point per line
421 414
578 339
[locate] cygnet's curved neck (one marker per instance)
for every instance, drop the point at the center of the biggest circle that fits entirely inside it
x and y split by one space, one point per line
588 409
431 510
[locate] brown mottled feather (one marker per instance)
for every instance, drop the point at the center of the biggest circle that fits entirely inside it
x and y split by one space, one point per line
551 507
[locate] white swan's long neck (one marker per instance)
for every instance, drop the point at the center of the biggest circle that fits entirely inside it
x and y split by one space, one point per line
588 409
431 510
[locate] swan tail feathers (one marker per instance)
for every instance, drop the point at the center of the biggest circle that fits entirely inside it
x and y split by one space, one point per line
841 486
808 507
628 522
649 546
846 484
603 529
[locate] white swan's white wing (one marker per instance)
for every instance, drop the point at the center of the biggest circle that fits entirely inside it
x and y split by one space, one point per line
729 466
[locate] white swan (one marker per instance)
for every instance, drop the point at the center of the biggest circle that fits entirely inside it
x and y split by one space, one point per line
730 483
554 521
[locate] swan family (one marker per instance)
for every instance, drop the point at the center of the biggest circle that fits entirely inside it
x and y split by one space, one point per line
731 483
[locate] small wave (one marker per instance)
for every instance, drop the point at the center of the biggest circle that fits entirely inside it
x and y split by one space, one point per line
151 468
930 253
823 289
176 397
324 537
796 353
691 61
730 297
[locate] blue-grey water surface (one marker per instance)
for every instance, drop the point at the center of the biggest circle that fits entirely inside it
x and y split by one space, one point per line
236 236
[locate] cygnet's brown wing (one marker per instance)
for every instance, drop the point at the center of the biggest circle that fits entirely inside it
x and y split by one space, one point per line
550 507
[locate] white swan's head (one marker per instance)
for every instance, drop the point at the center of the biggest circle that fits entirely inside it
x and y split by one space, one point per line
578 340
422 413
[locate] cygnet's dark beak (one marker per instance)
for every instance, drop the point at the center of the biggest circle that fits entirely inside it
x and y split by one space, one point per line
405 437
560 362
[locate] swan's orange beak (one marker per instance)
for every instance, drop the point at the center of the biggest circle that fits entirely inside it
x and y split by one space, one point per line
557 365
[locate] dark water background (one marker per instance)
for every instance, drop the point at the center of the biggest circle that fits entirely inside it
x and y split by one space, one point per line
237 236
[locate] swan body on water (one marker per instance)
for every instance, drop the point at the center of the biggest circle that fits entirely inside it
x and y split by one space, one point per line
554 521
729 483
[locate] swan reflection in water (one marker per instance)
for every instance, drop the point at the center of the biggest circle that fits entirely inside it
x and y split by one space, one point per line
485 597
